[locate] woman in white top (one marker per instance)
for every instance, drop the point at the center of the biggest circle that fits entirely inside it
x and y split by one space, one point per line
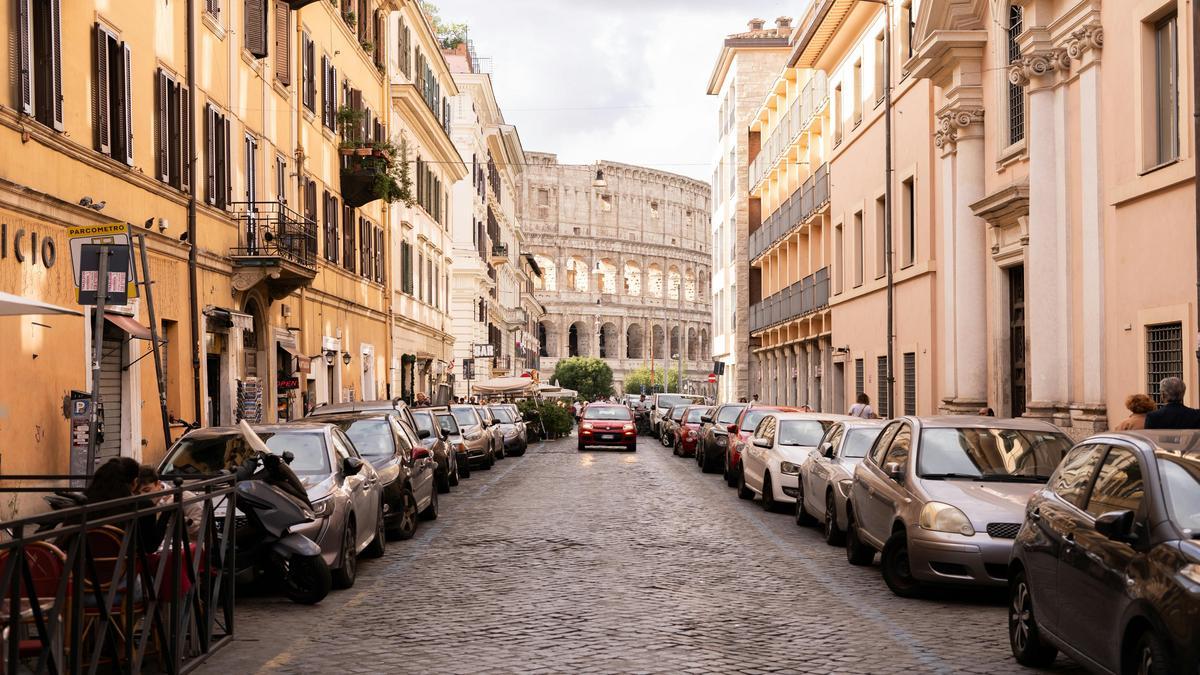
862 408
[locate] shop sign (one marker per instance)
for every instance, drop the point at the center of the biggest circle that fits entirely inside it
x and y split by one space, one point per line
288 383
26 246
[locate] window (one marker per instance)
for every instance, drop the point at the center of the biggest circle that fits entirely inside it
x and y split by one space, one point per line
256 28
883 405
330 214
283 43
218 190
907 26
1164 355
366 257
251 149
880 58
172 142
404 37
839 114
839 257
213 7
898 450
328 93
348 224
1166 89
310 205
908 223
858 90
910 383
1016 93
40 61
406 281
606 203
380 276
859 375
880 237
858 249
113 97
1119 485
377 35
883 443
308 76
1070 480
281 183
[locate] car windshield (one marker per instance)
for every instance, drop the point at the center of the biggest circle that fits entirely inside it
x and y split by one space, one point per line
858 442
1019 455
448 424
1181 482
694 415
752 418
465 416
372 438
210 454
502 415
729 414
801 432
669 400
424 421
607 412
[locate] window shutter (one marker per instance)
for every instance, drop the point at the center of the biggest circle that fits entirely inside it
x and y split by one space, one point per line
379 257
162 134
100 100
283 44
185 139
306 71
256 28
377 35
25 56
325 90
223 172
127 104
56 96
210 156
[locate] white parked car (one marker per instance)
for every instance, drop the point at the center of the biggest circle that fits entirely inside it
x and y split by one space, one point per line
828 471
771 460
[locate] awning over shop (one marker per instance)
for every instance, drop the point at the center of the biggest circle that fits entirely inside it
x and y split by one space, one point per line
304 361
15 305
505 386
558 392
129 325
227 318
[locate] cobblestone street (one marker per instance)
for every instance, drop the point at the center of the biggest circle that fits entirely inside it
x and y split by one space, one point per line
607 561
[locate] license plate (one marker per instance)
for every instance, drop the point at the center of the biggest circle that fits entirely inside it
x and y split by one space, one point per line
607 437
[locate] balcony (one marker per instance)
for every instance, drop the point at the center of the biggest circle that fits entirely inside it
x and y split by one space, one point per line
367 175
789 127
499 253
276 245
797 209
802 298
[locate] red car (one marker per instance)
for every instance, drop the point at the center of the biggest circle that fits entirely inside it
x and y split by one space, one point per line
740 433
688 435
607 424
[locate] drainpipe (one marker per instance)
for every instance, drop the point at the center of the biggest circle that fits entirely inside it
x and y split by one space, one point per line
193 263
887 211
1195 154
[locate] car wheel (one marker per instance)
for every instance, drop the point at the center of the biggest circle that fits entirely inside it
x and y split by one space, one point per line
443 482
768 494
896 566
743 492
407 526
1024 636
730 479
378 545
857 551
491 461
344 576
675 449
431 511
454 475
833 534
802 516
1150 656
464 469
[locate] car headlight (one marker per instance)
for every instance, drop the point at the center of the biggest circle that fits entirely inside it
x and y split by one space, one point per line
628 427
586 425
789 469
1191 572
844 486
721 440
940 517
691 434
323 508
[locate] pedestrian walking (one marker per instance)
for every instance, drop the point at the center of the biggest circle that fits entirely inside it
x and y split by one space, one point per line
754 398
1139 405
576 411
862 408
1173 414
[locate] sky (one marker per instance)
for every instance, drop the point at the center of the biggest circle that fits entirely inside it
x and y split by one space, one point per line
620 80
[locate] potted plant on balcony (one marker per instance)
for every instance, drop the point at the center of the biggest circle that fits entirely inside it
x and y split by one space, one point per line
373 171
366 46
349 17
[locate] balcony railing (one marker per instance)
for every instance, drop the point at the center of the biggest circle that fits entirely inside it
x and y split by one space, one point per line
269 232
794 121
798 208
499 253
800 299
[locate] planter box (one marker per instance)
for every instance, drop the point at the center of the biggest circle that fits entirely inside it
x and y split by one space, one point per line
359 174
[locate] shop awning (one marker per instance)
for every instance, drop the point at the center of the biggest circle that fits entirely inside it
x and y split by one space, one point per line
304 361
15 305
505 386
129 325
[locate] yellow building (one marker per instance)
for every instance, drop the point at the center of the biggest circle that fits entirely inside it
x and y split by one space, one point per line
238 142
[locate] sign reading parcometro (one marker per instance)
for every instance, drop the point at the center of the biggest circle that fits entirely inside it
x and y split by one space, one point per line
26 246
114 235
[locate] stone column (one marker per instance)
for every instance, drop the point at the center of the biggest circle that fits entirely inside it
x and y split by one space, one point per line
789 380
810 357
803 372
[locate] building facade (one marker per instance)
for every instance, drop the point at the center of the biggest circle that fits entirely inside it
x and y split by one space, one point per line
624 255
748 65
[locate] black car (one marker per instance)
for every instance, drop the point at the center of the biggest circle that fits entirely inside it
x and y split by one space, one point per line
714 436
1106 566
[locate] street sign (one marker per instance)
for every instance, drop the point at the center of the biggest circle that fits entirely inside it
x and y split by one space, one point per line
712 377
89 276
468 366
116 235
484 351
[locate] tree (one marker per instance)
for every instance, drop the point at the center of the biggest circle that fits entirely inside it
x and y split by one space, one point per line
589 376
662 378
450 35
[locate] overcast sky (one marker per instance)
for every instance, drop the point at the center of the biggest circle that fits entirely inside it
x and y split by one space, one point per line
622 80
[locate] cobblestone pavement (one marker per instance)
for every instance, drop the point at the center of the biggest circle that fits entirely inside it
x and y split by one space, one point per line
610 561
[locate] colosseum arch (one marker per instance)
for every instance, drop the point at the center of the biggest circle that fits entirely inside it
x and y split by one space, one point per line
673 283
674 342
658 340
547 338
606 271
577 275
654 280
610 341
693 344
579 339
689 285
705 348
633 278
633 341
549 279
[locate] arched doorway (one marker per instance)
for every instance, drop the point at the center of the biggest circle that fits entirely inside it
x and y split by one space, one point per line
633 341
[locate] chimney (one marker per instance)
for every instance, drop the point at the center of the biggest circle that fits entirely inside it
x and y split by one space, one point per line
757 24
783 23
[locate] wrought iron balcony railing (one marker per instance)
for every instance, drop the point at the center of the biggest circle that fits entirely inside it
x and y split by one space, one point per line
269 232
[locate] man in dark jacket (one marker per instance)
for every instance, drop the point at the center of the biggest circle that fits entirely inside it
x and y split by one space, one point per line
1173 414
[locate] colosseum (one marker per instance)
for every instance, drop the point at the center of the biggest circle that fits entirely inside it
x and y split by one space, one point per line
624 253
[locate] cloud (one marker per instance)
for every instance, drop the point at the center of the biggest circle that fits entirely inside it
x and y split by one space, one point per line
622 80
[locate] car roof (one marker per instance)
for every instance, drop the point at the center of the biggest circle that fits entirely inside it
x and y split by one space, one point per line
1174 442
982 422
772 408
359 406
350 417
821 417
300 427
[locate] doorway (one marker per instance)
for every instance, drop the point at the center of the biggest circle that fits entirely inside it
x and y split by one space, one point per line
1016 339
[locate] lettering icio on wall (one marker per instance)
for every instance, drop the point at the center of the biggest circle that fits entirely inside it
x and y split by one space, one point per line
26 246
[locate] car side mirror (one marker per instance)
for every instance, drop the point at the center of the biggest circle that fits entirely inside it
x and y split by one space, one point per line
423 434
732 428
827 449
351 466
762 443
1117 525
444 434
707 419
894 471
288 456
420 453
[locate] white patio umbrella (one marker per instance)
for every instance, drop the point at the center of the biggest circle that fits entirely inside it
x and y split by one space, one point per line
15 305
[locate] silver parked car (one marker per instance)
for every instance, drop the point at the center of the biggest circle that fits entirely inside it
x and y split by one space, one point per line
944 497
827 473
491 428
513 434
472 434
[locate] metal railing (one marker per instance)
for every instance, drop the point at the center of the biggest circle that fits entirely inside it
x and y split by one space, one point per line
64 577
801 298
790 125
499 250
798 208
272 230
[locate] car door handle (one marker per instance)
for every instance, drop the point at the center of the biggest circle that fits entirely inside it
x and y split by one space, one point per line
1069 540
1035 514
